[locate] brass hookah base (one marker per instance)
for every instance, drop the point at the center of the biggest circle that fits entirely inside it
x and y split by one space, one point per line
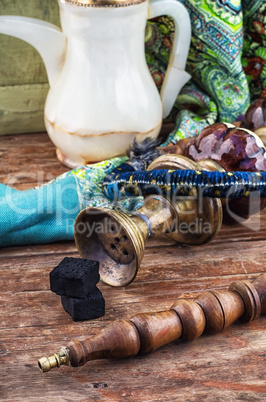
117 240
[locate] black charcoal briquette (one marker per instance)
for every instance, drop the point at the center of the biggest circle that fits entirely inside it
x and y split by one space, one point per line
74 277
88 308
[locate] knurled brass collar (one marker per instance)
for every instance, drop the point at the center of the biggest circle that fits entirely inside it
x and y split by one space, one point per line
105 3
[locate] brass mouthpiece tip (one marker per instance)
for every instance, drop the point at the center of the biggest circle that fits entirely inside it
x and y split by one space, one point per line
58 359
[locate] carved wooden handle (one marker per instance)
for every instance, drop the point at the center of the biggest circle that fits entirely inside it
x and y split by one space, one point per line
211 312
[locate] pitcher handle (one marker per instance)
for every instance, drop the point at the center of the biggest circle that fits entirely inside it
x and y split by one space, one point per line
176 76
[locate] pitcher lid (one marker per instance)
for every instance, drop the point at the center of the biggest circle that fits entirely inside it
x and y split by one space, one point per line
105 3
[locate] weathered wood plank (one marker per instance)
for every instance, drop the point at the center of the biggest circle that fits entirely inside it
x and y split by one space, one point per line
17 151
178 264
186 371
29 310
223 367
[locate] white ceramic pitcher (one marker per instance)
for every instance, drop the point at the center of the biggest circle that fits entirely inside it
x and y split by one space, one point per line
102 95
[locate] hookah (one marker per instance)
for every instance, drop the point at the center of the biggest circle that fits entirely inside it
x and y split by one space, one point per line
179 191
188 190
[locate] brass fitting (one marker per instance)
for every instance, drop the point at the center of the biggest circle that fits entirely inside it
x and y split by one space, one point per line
57 360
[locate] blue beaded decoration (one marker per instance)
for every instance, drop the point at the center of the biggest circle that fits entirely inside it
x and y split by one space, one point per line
125 182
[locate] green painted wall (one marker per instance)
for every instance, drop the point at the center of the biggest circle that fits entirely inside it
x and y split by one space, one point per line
23 79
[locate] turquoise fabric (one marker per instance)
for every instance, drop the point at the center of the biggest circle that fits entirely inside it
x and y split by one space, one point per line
40 215
47 214
4 189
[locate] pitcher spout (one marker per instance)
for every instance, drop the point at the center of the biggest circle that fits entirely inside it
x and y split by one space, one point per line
46 38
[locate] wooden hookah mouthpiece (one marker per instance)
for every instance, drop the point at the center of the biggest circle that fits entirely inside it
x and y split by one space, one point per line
210 312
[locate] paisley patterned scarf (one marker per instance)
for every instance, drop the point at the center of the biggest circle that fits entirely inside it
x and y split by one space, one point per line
227 62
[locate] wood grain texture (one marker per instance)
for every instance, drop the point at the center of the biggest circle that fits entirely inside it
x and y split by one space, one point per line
229 366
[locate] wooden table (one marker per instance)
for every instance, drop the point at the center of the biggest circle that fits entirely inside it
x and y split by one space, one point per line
227 366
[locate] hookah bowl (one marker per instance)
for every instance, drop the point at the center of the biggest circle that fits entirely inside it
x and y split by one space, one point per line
117 240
